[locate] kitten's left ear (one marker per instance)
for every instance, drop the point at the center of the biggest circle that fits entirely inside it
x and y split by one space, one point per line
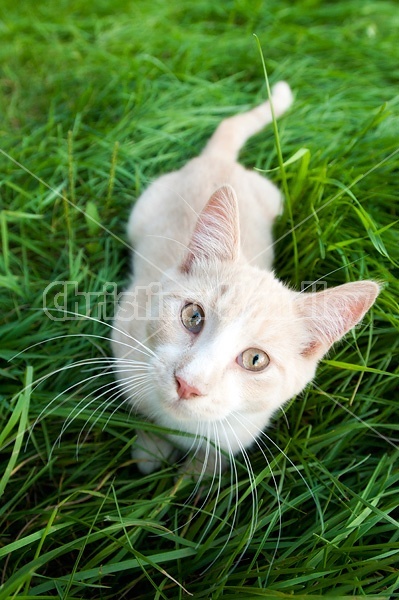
333 312
217 231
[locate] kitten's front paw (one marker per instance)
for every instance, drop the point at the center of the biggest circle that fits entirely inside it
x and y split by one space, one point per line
196 469
150 451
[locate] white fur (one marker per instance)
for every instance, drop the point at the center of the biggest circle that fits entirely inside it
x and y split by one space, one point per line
197 240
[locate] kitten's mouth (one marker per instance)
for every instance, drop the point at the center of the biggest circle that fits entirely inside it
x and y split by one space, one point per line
186 409
197 408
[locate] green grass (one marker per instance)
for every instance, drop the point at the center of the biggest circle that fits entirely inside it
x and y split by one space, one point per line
96 99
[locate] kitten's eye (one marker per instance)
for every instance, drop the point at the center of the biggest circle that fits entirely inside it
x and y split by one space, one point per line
253 359
193 317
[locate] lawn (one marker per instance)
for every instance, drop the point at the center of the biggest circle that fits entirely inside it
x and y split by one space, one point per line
97 99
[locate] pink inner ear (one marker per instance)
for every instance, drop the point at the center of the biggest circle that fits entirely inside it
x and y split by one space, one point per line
216 234
311 348
332 313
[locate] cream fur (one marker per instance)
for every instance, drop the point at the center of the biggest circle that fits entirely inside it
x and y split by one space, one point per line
195 232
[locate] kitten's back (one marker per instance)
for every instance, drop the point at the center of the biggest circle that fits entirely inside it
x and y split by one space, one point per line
163 219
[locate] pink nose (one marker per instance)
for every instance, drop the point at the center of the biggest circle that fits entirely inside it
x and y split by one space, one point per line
185 390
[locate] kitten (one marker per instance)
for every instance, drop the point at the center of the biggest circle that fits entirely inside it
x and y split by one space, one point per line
208 341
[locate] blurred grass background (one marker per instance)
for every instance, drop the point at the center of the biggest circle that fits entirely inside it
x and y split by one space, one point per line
97 99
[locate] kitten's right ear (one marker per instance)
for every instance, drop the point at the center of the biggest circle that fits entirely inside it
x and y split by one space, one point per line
330 314
217 231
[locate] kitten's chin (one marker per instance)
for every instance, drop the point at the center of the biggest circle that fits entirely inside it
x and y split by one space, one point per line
193 410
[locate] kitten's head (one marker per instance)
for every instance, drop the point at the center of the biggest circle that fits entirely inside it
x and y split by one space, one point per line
231 338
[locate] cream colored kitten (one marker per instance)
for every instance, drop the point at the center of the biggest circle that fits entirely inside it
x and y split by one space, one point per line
208 341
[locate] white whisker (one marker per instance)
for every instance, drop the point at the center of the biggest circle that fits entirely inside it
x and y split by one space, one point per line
65 391
76 413
227 510
359 419
217 461
88 216
258 440
335 197
253 488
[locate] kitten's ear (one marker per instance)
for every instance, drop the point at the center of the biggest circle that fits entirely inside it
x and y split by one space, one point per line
217 232
333 312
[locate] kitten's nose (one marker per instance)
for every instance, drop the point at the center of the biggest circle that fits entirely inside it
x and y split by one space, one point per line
186 390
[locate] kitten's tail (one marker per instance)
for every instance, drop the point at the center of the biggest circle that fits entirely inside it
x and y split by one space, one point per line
233 132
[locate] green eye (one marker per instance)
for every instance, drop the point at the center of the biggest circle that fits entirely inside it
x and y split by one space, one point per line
253 359
193 317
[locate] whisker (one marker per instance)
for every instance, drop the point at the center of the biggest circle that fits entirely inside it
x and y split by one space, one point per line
257 442
233 471
68 389
217 460
330 201
90 318
253 488
338 403
169 239
75 414
261 434
331 273
139 396
114 398
205 438
89 335
89 216
111 384
113 368
227 511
